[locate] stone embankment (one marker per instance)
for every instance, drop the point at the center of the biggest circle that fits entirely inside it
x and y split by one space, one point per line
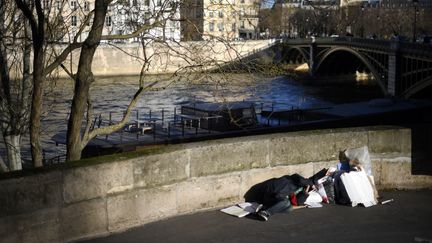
76 202
127 59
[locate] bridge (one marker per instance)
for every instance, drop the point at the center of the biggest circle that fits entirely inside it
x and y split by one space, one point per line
401 69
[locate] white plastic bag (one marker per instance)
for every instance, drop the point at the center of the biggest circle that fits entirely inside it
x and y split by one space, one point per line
362 154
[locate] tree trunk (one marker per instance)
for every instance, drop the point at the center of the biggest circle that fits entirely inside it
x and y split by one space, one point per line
13 150
76 117
36 107
83 80
3 166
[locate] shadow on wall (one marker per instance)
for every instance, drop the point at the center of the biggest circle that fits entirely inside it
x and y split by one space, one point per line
421 151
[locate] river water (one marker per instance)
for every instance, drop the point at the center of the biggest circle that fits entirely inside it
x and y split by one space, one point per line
111 95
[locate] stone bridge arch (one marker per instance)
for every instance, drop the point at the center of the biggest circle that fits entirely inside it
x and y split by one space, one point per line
399 68
329 57
295 54
418 87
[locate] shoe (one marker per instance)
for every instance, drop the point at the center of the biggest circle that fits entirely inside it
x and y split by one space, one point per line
263 215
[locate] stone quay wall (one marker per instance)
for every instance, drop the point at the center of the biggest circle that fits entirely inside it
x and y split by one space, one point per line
127 59
72 203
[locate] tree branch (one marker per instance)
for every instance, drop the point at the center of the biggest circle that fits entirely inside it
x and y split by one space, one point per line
27 13
110 129
60 58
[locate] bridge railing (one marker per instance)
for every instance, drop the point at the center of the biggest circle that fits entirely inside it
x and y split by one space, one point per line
385 45
345 41
416 49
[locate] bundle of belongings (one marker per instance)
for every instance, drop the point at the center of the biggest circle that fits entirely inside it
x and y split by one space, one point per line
351 183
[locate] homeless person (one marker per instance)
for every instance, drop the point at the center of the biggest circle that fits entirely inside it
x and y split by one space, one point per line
275 194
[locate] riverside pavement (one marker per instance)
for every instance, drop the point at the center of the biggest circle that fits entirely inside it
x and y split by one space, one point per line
407 219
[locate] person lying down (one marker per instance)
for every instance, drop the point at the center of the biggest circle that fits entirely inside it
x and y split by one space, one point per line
277 194
289 192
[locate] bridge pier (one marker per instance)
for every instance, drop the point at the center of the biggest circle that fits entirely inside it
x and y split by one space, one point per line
312 57
401 69
394 69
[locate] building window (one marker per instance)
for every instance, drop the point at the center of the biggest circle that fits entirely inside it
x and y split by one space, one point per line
108 21
73 5
59 4
221 14
86 6
159 3
211 14
134 3
234 27
242 24
211 26
74 21
220 26
147 3
242 1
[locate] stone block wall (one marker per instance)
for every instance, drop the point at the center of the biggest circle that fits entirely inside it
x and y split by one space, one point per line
68 204
170 58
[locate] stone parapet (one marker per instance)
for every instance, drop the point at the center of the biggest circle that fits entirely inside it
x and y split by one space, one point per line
68 204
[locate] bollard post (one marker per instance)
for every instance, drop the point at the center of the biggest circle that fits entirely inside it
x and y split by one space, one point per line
137 118
100 120
175 115
183 128
169 129
110 117
163 115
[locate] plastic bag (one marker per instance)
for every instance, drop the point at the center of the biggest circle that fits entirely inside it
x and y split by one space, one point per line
362 154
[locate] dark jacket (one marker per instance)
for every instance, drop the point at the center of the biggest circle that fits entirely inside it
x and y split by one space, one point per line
281 188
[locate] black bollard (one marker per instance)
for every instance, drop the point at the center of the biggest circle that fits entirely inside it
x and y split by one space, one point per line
163 115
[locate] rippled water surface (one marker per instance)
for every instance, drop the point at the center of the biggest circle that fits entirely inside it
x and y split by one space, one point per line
113 94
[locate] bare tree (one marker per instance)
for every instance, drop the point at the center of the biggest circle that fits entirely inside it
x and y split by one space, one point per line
15 85
148 27
37 23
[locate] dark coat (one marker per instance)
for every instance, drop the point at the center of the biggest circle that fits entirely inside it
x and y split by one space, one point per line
274 190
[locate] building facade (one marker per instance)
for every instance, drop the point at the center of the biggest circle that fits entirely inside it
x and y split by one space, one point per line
161 18
219 19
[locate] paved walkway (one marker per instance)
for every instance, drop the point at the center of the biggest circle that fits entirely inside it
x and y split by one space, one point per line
407 219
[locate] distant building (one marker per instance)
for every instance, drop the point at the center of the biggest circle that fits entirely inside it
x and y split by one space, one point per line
226 19
344 3
249 19
123 17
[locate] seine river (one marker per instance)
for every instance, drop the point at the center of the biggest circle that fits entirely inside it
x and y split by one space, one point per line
113 94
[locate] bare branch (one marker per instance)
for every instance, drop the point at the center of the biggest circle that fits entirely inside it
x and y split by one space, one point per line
62 57
82 27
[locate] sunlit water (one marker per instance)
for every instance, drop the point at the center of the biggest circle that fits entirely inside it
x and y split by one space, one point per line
113 95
